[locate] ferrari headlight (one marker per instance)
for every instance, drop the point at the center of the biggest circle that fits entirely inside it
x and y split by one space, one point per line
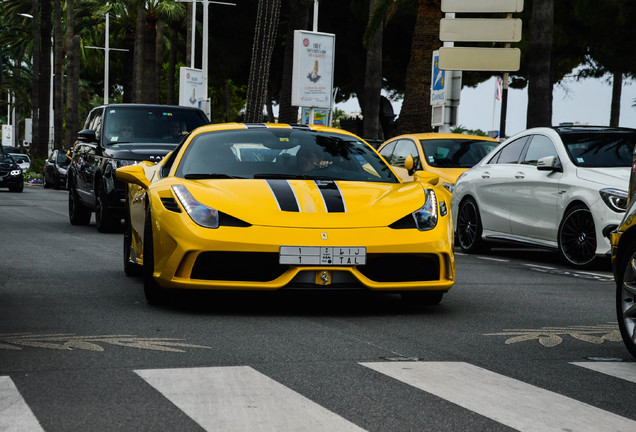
15 172
201 214
615 199
426 217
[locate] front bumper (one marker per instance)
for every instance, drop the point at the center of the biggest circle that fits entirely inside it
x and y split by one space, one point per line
188 256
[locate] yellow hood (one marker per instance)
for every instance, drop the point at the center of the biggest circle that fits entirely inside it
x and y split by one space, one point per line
309 203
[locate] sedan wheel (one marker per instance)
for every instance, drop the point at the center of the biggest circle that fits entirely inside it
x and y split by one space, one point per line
577 237
626 298
469 227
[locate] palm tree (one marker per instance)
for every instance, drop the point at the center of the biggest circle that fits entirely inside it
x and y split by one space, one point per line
540 65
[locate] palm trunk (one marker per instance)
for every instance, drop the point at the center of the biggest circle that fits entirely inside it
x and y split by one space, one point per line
617 88
72 77
58 102
138 63
540 64
373 85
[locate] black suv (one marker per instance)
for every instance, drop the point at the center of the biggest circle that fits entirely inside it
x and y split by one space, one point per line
113 136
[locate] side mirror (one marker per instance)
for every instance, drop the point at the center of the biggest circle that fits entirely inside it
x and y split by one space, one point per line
549 163
408 164
134 174
426 177
87 135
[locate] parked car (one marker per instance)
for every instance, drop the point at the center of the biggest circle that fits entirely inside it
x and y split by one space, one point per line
318 209
116 135
624 268
23 160
55 169
563 188
10 173
445 154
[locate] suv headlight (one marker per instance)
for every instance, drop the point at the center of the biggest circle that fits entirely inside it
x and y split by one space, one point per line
426 216
615 199
121 162
201 214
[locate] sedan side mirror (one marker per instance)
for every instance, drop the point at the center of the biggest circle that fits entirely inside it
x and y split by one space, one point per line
549 163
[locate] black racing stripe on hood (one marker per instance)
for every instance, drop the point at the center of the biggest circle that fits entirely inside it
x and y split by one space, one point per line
284 195
334 202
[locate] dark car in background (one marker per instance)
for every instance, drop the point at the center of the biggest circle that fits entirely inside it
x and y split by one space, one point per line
624 267
10 173
55 169
116 135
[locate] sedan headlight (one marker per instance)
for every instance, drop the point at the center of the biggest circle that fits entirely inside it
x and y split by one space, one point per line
426 217
201 214
15 172
449 186
61 170
615 199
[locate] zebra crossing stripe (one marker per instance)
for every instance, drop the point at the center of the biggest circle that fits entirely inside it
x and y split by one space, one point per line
508 401
623 370
15 414
239 398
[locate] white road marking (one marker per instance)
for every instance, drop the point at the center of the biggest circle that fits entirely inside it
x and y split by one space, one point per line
239 398
15 414
508 401
622 370
492 259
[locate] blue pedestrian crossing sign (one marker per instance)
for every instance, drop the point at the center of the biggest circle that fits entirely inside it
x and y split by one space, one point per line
438 82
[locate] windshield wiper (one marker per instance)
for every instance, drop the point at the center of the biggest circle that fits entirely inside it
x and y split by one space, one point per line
202 176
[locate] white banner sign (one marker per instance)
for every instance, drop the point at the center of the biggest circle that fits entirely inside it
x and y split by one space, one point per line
7 135
190 87
312 79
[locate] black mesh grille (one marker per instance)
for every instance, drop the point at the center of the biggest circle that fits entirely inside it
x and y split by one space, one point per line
171 204
238 266
401 267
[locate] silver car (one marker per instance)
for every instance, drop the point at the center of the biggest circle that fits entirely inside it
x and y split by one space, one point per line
563 188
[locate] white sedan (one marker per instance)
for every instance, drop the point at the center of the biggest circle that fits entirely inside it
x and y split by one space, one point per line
562 188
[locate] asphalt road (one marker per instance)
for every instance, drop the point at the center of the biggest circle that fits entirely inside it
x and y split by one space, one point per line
521 342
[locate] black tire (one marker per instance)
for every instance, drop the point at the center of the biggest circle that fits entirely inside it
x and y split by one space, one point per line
152 290
45 183
626 296
78 214
469 227
105 221
56 183
577 237
131 268
422 298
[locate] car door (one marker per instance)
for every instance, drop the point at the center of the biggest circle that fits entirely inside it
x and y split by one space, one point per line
494 186
533 206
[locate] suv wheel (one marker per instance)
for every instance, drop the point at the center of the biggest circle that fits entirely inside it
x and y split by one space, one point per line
78 214
104 219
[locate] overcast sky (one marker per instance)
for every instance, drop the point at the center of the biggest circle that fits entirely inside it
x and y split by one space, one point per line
585 101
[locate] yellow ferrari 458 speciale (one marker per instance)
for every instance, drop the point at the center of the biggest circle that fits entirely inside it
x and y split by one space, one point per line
274 206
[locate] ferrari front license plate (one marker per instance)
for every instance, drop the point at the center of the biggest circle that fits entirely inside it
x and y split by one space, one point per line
317 255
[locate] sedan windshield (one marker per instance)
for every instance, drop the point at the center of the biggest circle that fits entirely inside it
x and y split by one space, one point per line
455 153
600 149
276 153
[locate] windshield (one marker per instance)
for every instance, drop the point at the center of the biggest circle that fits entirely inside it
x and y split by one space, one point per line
455 152
20 158
150 124
283 154
600 149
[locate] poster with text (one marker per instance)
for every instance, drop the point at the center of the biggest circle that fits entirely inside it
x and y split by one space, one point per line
312 79
190 87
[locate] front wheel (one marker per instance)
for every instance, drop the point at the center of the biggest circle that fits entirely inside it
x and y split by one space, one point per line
78 214
626 298
469 227
104 218
152 290
577 237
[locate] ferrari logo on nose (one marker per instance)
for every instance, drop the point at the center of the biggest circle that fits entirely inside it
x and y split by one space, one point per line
325 278
323 235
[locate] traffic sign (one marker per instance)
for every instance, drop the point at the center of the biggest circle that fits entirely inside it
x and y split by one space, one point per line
479 59
480 30
484 6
